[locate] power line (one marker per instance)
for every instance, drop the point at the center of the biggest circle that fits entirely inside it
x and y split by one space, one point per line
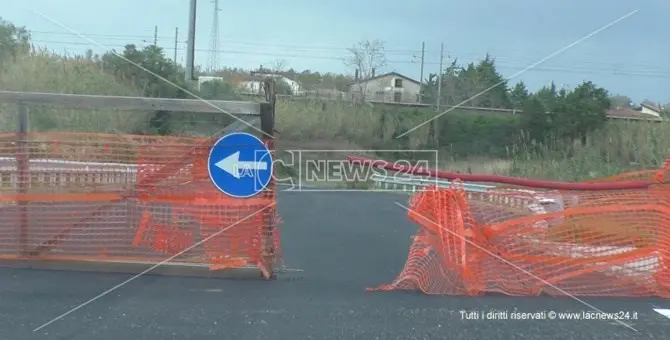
333 46
572 68
241 44
148 35
341 46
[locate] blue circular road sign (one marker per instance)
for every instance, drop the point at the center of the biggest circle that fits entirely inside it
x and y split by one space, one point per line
240 165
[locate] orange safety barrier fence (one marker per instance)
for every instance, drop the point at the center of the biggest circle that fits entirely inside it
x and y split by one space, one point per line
97 197
581 242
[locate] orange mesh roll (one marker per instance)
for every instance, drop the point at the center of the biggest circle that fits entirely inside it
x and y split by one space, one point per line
515 243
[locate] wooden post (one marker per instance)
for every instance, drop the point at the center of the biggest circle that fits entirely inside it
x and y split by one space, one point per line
23 172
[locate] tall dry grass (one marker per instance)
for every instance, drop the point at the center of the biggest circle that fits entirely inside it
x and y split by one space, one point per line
305 121
618 147
44 71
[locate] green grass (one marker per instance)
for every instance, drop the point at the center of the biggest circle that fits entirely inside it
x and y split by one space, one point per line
618 147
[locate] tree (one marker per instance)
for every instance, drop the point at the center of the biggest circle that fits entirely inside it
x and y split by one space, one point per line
487 78
581 110
450 92
548 96
476 84
278 65
367 57
153 59
14 41
534 119
519 95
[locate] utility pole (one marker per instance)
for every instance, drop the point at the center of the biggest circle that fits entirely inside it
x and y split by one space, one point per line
439 78
214 39
176 44
423 52
155 36
190 48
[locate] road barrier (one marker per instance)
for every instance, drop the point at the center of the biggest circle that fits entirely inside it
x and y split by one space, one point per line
114 199
604 237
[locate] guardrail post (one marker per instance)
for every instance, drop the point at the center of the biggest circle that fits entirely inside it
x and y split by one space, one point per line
23 172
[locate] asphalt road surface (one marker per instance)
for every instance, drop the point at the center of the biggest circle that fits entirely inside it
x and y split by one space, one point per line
344 242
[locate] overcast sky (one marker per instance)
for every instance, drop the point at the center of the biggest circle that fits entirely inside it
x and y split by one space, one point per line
629 57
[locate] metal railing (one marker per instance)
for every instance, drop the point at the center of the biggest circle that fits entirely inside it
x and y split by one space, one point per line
16 171
414 183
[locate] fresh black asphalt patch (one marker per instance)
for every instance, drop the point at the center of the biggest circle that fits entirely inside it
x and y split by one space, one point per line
344 242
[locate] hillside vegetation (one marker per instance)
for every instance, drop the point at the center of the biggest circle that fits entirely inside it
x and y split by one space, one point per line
41 71
575 141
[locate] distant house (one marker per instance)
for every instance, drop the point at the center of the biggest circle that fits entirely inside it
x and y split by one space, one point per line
251 84
254 84
388 87
650 108
646 111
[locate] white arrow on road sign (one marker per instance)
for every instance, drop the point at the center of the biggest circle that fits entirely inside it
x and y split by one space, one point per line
233 165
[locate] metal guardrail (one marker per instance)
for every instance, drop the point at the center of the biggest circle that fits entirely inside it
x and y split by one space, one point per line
60 172
21 171
56 172
415 183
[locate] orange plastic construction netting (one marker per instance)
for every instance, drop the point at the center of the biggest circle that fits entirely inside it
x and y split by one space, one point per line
66 196
523 242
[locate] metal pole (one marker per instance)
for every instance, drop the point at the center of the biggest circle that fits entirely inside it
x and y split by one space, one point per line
439 78
155 35
190 48
23 174
268 111
423 52
176 43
